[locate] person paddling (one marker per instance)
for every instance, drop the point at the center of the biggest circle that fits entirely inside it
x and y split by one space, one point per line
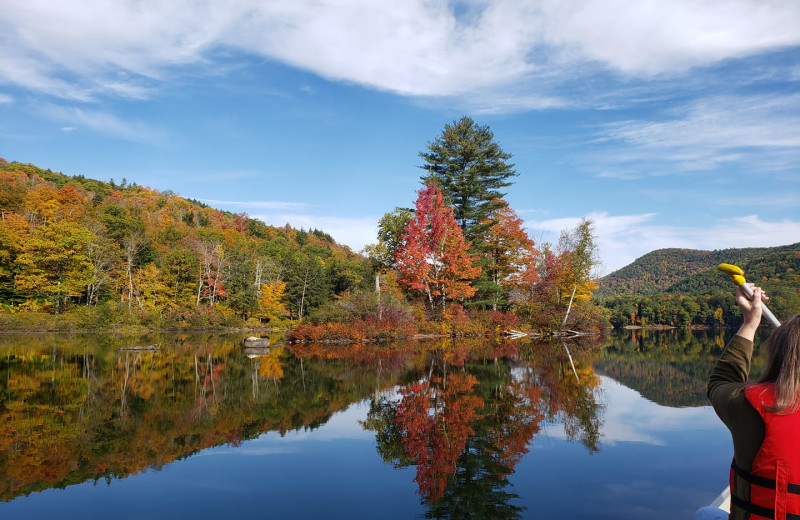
763 417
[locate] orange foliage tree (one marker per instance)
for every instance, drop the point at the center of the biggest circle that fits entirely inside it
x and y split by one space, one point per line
509 251
270 304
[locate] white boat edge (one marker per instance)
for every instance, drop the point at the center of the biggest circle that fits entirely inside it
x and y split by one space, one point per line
723 501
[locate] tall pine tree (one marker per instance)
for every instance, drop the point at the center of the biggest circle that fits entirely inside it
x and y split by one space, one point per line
471 170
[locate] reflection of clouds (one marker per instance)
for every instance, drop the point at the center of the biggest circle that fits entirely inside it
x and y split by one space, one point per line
629 417
342 425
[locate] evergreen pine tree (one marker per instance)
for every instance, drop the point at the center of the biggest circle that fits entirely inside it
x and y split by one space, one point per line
470 168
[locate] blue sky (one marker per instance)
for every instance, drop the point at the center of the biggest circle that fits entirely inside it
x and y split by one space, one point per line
669 123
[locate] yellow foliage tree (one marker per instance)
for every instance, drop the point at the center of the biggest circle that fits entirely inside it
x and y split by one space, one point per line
270 304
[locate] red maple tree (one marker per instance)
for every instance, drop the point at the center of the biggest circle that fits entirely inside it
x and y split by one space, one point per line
434 257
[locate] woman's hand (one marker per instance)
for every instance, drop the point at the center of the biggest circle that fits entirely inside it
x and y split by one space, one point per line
751 310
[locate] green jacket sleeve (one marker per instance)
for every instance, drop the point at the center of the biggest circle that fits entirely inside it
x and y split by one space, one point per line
726 387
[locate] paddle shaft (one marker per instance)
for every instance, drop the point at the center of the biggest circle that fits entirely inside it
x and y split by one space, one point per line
766 312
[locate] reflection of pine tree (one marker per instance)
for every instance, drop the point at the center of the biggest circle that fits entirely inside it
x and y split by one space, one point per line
478 489
462 465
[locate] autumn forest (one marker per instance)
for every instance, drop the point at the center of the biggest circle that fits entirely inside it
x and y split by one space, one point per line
83 254
79 253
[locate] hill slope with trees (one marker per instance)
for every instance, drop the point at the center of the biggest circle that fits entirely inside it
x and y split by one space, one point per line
683 287
126 254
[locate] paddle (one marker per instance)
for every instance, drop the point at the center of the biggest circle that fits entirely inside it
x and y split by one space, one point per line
737 275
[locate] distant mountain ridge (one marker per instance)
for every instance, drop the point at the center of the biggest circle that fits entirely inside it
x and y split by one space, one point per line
692 270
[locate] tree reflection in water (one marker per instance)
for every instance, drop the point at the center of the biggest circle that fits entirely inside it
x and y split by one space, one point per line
76 408
468 423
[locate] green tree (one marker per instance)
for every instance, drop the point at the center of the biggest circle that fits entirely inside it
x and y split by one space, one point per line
470 168
242 291
307 284
391 228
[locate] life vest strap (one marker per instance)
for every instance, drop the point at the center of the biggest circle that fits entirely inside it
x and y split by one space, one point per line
758 510
761 482
764 482
752 508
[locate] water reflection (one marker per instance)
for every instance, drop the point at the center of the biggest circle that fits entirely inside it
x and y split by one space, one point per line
462 414
668 367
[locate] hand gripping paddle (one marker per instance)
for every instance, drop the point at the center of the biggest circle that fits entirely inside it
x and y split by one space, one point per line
737 275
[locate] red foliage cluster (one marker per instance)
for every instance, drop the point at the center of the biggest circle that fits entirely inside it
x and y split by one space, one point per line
358 330
435 420
503 320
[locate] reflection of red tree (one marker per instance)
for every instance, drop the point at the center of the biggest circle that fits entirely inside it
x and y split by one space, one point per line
207 386
434 420
518 417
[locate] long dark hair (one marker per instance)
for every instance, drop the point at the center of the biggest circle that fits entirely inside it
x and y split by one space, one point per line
783 366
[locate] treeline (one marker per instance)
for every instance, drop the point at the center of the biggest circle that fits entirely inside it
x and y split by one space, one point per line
107 254
683 288
127 254
670 367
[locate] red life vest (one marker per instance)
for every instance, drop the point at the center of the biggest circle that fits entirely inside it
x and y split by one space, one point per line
774 479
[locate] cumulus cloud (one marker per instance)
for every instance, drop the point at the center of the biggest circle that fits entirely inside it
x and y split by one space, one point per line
621 239
80 48
354 232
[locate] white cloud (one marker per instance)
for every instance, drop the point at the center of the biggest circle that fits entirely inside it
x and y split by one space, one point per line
760 130
621 239
77 48
352 232
102 122
5 98
657 37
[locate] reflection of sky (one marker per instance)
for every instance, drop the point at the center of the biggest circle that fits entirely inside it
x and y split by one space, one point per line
654 462
628 417
342 425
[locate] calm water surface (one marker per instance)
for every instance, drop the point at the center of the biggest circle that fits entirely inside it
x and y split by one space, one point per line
453 429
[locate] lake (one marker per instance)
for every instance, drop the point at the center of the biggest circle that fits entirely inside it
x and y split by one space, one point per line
602 428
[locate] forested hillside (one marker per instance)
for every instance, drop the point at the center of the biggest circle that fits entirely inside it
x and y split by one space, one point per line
129 253
682 287
120 254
